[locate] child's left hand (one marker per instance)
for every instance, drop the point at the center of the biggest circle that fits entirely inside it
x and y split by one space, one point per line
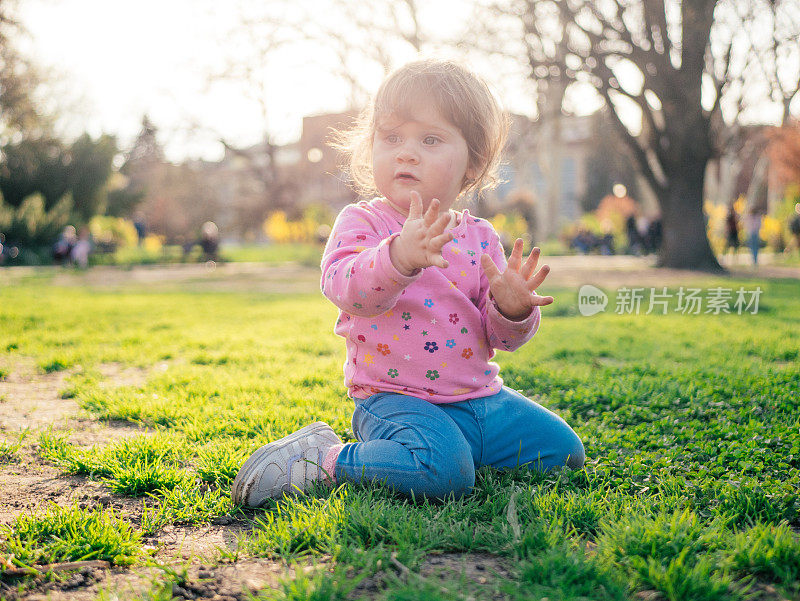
514 289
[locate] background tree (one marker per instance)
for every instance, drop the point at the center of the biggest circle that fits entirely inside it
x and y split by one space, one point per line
764 33
758 40
259 33
34 165
608 164
375 34
784 150
45 182
49 167
351 40
140 168
90 167
654 56
19 80
174 199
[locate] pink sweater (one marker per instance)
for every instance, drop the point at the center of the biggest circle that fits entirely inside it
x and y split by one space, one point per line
430 335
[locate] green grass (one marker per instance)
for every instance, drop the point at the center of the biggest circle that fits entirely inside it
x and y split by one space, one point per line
71 534
305 254
9 448
690 422
9 451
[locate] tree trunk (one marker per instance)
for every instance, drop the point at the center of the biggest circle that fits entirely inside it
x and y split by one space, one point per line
551 153
685 148
685 242
553 166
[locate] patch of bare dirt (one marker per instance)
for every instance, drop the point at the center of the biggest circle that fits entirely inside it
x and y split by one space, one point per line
29 484
209 582
479 569
476 574
198 542
32 400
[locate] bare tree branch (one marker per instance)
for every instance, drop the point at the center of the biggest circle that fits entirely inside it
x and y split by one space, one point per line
640 154
656 16
784 30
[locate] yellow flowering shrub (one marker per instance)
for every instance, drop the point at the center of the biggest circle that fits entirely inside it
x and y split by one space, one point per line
510 226
153 243
282 230
113 232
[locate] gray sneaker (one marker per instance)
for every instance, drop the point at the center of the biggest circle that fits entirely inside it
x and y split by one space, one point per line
287 465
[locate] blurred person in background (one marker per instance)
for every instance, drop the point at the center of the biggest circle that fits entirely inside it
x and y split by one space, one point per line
652 240
82 248
7 249
794 226
140 226
635 242
752 226
584 241
62 249
606 243
732 231
209 241
642 226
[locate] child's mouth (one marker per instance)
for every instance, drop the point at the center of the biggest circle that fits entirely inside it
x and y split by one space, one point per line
406 177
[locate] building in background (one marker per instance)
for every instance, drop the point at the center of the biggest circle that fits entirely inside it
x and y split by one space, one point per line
317 163
247 184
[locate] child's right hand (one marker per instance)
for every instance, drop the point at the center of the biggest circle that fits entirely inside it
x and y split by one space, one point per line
420 243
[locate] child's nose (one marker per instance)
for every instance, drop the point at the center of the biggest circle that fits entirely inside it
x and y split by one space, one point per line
407 154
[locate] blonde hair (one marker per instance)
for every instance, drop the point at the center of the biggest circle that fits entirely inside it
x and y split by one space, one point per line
460 97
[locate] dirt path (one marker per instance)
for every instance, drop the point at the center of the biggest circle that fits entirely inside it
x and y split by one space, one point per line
574 271
566 271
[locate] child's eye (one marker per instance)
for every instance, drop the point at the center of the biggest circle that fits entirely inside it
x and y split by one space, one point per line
430 140
392 138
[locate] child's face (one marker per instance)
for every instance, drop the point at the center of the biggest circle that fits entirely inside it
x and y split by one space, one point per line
428 155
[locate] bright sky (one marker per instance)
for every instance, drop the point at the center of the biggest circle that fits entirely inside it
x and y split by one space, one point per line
119 60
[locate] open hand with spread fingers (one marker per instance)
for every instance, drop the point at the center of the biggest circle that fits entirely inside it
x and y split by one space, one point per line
514 290
420 242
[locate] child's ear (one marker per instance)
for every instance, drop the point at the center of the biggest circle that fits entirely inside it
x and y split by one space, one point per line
470 176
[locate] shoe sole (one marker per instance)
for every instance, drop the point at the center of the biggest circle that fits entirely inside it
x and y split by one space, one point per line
246 479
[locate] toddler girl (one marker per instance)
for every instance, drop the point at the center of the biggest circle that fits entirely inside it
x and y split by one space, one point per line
424 296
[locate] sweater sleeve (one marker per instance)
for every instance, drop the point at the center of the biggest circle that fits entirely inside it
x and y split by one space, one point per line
358 275
502 333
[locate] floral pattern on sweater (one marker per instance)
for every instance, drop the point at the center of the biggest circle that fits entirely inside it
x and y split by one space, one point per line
430 335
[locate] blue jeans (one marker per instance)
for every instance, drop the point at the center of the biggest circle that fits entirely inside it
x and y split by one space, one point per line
434 450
